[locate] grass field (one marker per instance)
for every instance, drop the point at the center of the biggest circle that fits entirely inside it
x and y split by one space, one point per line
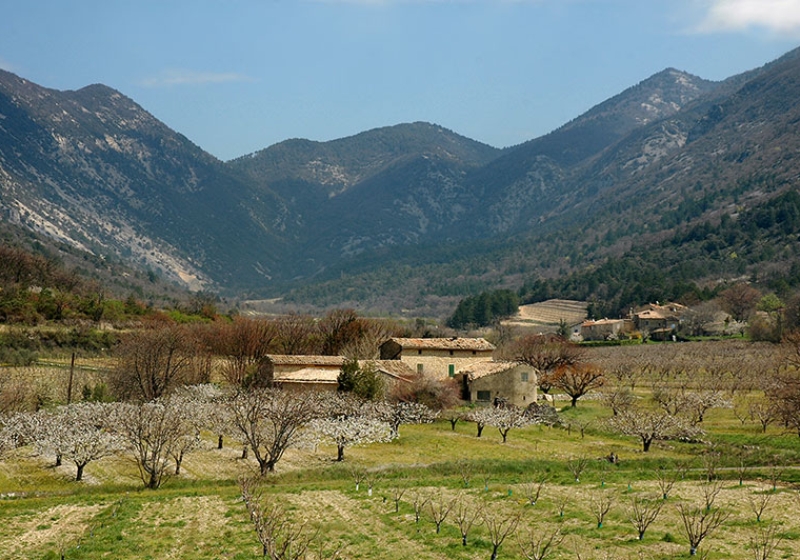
200 514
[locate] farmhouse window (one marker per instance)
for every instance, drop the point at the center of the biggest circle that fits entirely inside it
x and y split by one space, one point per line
420 367
451 370
524 376
484 396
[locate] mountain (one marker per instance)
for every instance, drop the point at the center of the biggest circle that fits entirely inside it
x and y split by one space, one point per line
410 216
390 186
94 169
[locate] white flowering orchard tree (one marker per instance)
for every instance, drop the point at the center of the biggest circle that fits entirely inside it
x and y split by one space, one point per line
397 414
349 431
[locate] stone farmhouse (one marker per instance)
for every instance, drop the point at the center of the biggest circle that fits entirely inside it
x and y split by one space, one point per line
304 373
605 329
321 373
655 319
488 382
470 363
437 357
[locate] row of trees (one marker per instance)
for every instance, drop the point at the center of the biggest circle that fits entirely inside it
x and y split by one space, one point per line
160 433
156 359
285 536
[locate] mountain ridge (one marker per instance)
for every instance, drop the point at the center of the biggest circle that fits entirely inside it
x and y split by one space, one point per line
94 169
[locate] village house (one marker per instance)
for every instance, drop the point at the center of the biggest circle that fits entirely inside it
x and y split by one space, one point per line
321 373
304 373
655 319
491 382
439 358
605 329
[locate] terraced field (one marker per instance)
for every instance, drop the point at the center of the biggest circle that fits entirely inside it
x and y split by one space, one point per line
545 316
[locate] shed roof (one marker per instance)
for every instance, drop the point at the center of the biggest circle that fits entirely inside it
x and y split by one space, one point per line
288 360
455 343
309 375
392 368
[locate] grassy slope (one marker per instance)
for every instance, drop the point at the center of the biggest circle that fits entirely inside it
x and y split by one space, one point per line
199 515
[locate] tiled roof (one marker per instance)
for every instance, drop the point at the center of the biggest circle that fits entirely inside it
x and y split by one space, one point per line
287 360
455 343
308 375
394 368
600 322
484 369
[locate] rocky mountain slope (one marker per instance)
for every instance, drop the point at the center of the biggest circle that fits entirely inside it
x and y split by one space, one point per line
401 209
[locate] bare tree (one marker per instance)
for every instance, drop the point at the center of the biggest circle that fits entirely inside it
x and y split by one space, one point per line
418 502
467 515
154 361
765 541
576 466
546 353
740 301
245 343
667 477
533 490
764 412
499 526
298 335
643 513
618 397
280 536
710 490
398 491
151 431
539 545
270 421
439 508
699 523
578 379
758 502
601 504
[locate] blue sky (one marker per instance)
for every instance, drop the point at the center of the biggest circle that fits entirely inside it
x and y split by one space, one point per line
237 76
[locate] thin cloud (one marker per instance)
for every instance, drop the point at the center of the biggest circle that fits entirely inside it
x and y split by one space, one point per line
778 16
190 77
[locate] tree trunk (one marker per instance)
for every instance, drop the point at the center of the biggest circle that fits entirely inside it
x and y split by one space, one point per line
464 540
219 442
574 401
178 461
244 452
79 476
504 433
646 445
480 429
340 453
58 460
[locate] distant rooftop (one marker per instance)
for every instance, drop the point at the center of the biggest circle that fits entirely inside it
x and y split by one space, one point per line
455 343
